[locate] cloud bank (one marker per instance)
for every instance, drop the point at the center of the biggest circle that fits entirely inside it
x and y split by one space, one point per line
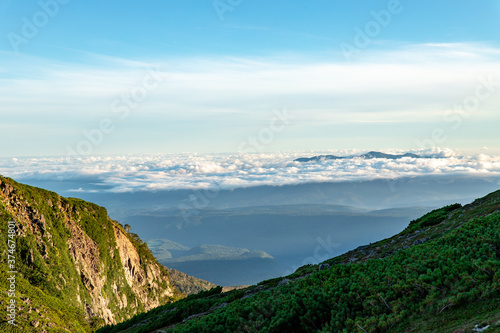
229 171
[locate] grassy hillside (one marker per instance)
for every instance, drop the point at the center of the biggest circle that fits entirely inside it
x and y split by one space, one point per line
441 274
76 268
187 284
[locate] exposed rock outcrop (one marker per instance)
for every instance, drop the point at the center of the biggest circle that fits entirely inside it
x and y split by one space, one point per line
72 254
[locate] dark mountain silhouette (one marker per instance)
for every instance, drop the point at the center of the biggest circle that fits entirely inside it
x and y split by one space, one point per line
369 155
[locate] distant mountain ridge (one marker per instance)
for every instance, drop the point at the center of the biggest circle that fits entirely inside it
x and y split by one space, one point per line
201 252
217 264
369 155
288 233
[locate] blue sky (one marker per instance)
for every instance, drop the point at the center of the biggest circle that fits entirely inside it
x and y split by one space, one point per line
215 76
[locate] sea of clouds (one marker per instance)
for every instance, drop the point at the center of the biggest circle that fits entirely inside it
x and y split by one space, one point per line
228 171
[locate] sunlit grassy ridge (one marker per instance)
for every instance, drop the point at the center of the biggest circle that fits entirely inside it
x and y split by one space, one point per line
52 291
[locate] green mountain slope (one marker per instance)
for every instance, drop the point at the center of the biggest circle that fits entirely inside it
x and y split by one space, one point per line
187 284
76 268
441 274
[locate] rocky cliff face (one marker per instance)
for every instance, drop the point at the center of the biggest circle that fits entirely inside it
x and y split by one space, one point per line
77 268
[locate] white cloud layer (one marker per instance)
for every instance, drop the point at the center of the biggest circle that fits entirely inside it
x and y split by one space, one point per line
194 171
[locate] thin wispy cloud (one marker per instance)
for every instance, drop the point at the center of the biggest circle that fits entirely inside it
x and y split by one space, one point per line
409 84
